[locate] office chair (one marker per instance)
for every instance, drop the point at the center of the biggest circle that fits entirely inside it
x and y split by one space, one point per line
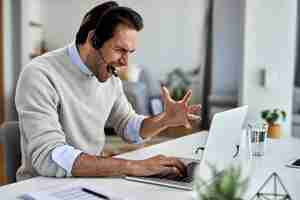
10 137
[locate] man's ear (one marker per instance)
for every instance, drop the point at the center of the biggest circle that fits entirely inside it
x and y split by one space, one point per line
95 43
90 37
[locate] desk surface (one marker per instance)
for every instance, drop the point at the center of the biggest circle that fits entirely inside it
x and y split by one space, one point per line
278 153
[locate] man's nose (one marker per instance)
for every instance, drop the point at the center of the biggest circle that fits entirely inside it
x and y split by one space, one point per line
124 59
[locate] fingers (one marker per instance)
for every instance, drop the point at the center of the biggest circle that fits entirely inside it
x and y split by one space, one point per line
178 167
192 117
164 92
168 172
194 112
164 96
195 109
171 173
187 97
161 166
187 124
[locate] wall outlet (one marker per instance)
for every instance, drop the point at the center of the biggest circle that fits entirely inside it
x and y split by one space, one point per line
262 77
268 78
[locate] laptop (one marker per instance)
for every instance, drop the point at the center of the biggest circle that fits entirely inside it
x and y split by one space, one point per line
220 149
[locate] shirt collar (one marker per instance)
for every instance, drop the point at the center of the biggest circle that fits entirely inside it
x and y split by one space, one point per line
76 60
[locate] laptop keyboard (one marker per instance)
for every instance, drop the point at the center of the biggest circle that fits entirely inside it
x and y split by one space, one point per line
190 173
184 183
189 176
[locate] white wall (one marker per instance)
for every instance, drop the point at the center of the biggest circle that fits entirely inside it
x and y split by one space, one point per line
31 11
170 37
270 41
18 41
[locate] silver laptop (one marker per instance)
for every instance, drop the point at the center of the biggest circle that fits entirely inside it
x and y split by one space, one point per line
220 149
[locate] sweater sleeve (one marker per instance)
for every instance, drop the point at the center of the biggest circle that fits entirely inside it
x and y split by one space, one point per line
121 114
37 104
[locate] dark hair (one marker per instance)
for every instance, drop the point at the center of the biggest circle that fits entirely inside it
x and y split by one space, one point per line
104 19
90 20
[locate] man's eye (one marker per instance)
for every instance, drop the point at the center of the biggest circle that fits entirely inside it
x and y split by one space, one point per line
122 51
119 51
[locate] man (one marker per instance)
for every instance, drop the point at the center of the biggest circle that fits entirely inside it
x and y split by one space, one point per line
65 97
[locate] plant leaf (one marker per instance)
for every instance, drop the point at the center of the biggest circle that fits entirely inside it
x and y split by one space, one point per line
228 185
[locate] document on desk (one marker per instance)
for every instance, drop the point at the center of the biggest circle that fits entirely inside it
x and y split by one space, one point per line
72 192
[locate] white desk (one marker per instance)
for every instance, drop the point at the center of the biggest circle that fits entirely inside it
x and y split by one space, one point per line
278 152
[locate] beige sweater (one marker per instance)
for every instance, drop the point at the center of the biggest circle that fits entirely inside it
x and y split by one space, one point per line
57 105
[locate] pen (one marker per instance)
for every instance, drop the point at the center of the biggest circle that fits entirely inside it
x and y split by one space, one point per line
95 193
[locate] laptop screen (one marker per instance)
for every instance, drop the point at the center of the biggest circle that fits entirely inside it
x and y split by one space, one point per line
224 134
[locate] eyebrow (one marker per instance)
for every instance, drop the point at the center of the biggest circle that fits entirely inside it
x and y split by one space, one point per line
125 50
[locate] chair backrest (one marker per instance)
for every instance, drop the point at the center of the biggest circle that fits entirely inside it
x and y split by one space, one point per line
152 83
10 135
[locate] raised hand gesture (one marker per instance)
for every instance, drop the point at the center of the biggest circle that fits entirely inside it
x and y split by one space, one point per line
178 113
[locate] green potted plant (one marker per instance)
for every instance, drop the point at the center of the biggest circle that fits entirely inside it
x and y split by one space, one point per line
228 185
272 117
179 81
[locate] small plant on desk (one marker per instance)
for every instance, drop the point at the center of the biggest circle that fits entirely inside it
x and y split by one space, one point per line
227 185
272 117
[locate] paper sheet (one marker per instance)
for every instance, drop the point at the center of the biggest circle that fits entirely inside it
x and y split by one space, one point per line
70 192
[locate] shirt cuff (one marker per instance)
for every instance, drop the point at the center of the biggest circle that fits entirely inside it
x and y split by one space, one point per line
132 131
65 156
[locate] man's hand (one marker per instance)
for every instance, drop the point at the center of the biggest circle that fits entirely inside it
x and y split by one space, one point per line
160 165
87 165
178 113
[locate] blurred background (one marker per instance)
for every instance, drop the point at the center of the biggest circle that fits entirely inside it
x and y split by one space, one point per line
229 52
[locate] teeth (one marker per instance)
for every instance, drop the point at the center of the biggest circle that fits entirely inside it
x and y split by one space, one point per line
112 70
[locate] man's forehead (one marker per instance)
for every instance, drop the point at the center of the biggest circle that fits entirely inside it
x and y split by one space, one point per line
124 37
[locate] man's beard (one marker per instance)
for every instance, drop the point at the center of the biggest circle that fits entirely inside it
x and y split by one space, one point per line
110 68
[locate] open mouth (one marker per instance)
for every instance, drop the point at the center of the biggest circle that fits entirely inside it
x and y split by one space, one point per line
112 70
